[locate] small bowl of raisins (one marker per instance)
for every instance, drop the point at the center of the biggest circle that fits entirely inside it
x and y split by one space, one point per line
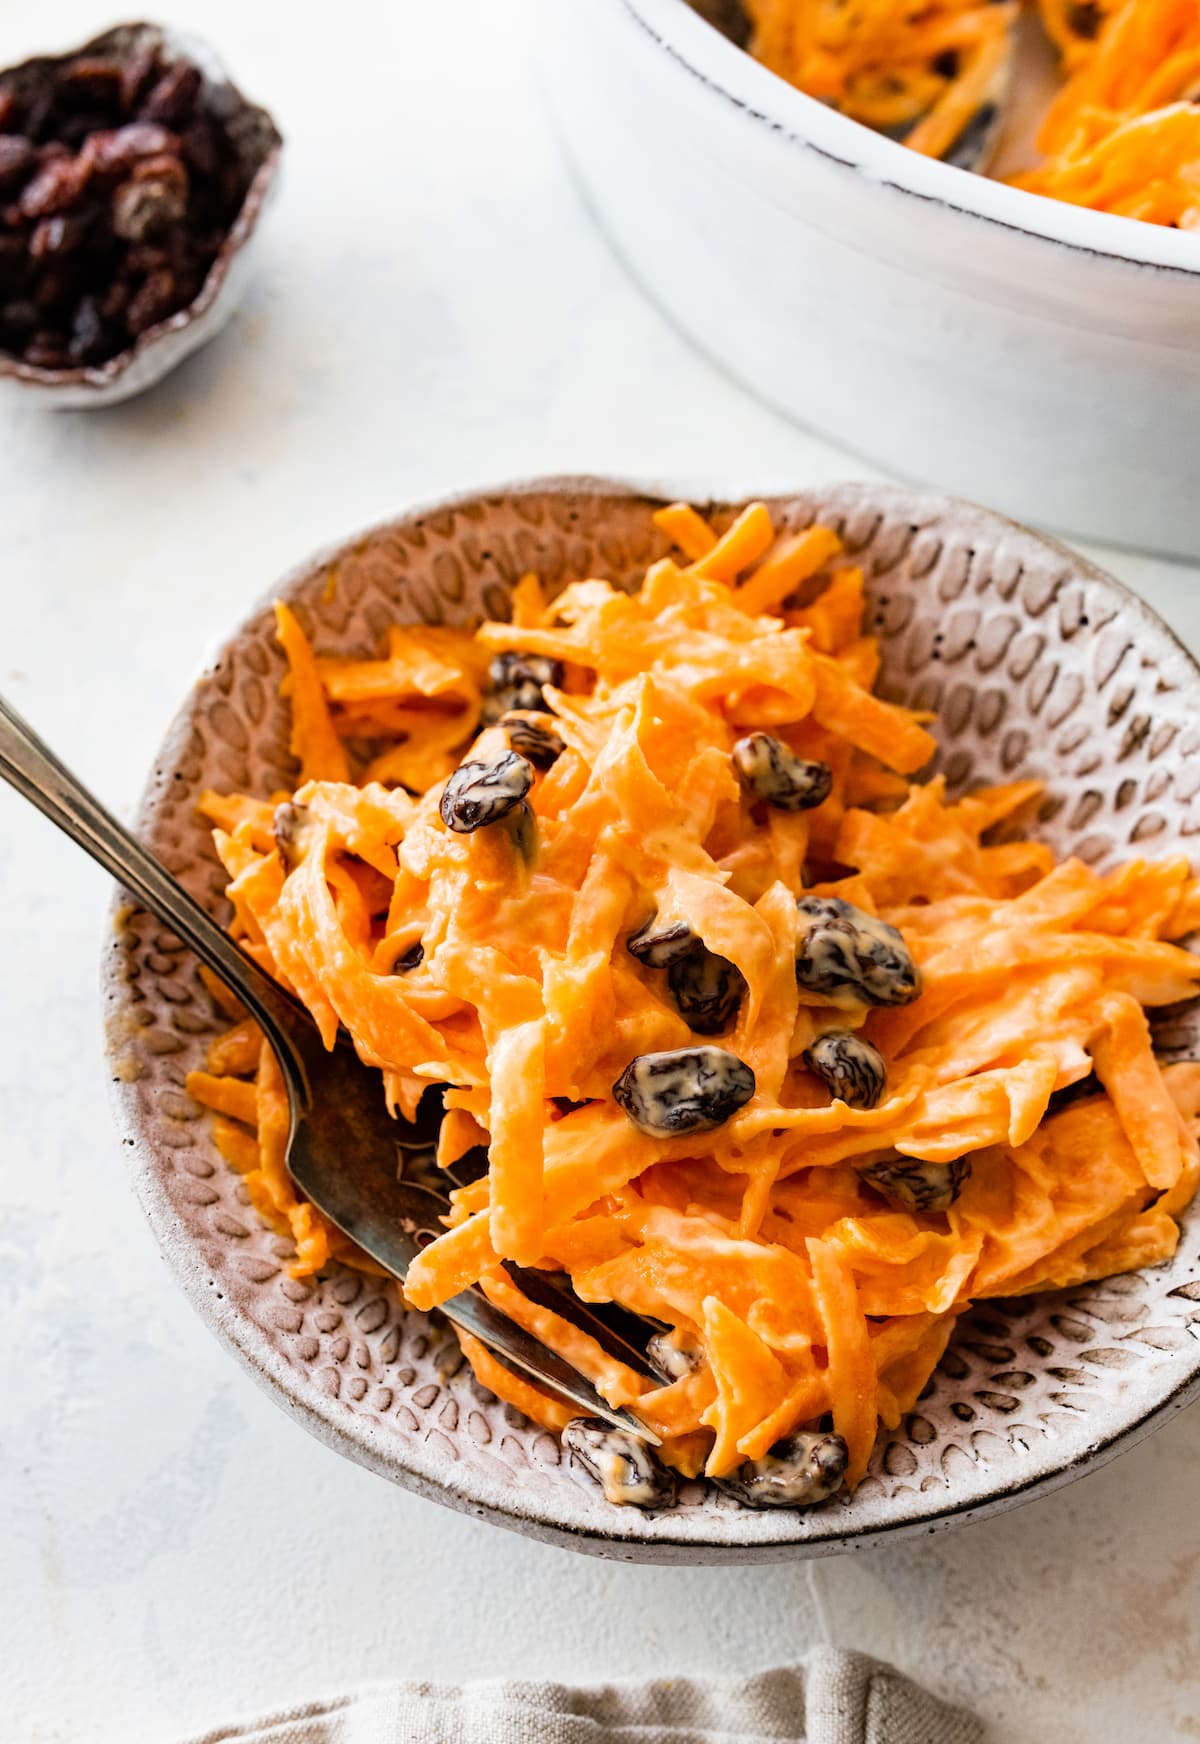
133 175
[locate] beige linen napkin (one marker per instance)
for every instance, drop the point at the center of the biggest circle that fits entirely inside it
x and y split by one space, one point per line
833 1698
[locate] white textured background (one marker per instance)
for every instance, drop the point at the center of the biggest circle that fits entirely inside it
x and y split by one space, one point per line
432 310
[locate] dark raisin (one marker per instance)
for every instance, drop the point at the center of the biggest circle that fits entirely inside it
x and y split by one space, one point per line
707 989
288 824
136 77
410 959
155 299
39 116
14 262
801 1471
19 317
533 737
198 148
659 946
48 350
172 101
153 200
56 287
114 152
517 681
91 337
624 1466
115 301
853 1070
670 1358
480 793
91 81
53 237
915 1186
56 187
18 160
849 957
774 773
684 1090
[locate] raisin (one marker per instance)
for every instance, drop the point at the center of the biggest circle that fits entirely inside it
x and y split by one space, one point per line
480 793
56 187
707 990
57 236
774 773
92 81
153 301
115 151
287 826
517 681
20 316
136 77
915 1186
801 1471
659 946
91 336
533 737
850 1066
670 1358
684 1090
18 160
198 148
173 99
48 350
622 1464
849 957
153 200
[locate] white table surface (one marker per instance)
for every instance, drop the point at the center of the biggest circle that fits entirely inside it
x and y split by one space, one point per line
432 310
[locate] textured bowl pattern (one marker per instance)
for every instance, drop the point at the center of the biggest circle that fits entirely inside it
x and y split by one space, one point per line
1038 664
154 353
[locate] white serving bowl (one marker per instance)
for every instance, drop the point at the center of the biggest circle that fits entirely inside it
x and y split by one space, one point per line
1009 348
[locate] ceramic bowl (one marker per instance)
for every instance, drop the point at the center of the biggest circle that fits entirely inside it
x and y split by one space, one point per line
1002 346
1039 665
157 351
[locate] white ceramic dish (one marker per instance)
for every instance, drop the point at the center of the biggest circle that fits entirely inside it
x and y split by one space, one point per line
1038 663
1005 347
157 351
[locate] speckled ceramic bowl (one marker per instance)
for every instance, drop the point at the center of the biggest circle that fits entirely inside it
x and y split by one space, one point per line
158 350
1038 665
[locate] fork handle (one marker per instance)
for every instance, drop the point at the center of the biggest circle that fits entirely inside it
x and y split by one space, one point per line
29 765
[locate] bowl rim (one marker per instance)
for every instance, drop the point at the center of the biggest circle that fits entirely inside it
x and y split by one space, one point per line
101 378
355 1439
769 102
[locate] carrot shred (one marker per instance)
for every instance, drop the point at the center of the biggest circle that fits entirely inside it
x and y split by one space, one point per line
228 1096
513 1389
314 743
1121 135
688 529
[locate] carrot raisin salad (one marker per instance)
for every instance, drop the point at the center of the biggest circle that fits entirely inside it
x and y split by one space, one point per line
1122 135
762 1040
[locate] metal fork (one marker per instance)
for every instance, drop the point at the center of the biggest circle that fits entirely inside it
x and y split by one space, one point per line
343 1146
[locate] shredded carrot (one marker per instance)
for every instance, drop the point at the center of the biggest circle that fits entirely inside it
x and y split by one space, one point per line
772 1245
1121 136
